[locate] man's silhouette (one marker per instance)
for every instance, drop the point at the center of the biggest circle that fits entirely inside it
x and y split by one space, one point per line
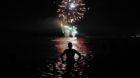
70 58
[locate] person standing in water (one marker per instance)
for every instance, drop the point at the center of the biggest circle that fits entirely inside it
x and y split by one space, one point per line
70 61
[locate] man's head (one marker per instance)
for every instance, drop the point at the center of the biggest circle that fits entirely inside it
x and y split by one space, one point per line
70 45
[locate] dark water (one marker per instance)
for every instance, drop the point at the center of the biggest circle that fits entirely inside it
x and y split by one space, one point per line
54 67
30 57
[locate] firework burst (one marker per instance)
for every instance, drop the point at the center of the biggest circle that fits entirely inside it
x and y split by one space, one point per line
70 11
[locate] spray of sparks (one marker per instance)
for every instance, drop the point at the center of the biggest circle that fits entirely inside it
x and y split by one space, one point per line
70 11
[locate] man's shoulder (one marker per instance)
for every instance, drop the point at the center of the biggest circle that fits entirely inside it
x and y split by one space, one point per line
70 50
74 50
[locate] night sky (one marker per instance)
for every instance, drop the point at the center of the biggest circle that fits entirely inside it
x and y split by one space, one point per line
104 16
25 22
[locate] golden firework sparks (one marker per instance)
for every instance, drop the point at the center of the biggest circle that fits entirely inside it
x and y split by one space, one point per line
70 11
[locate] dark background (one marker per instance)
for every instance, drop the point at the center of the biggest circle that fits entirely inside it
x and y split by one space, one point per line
24 23
103 17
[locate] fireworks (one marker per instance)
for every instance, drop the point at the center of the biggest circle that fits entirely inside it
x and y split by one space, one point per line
70 11
70 30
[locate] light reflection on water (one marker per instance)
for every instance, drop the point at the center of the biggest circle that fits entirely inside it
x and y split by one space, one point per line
80 44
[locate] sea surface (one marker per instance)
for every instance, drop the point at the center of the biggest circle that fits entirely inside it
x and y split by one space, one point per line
35 56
